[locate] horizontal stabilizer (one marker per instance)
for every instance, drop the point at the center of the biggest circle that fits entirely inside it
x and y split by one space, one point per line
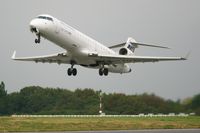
136 44
148 45
117 46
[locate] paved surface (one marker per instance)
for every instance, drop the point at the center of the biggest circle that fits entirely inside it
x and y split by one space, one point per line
136 131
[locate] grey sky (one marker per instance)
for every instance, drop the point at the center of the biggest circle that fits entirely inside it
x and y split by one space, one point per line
172 23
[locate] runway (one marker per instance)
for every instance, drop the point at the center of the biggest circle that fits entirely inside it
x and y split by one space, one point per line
134 131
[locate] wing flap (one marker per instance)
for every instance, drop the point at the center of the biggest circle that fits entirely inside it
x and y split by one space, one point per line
118 59
53 58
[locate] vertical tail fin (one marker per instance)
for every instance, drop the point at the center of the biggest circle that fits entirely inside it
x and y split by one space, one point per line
130 44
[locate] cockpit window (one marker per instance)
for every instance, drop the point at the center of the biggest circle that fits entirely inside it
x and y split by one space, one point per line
44 17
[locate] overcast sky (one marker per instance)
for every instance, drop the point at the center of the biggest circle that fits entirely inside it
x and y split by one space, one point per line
172 23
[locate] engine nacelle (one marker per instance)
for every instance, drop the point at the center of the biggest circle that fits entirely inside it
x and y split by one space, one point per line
125 51
119 68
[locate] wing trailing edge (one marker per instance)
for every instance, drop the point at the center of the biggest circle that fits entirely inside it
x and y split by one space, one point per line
60 58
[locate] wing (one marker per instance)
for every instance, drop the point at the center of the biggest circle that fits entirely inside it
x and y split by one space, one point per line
118 59
54 58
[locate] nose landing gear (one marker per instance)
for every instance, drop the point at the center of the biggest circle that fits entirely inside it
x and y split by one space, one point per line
37 40
36 31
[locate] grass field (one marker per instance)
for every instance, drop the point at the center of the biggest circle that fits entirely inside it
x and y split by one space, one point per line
76 124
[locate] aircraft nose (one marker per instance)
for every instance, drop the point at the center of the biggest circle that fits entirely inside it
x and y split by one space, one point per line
34 26
33 23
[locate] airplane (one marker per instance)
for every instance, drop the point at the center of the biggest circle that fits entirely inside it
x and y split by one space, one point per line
79 49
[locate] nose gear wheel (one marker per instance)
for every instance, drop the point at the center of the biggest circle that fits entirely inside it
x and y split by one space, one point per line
37 40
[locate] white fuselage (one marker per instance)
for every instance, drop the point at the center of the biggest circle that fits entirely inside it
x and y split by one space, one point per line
77 44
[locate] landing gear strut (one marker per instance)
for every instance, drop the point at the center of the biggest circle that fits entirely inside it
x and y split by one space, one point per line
72 71
103 71
37 40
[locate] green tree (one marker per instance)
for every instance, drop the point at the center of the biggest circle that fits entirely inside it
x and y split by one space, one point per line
3 92
195 104
39 100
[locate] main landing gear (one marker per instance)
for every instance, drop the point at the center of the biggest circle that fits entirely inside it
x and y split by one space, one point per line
37 40
72 71
103 71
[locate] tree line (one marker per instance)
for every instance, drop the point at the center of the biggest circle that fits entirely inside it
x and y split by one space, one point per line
39 100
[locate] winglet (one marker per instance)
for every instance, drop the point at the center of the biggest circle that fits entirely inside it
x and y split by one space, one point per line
186 57
14 54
